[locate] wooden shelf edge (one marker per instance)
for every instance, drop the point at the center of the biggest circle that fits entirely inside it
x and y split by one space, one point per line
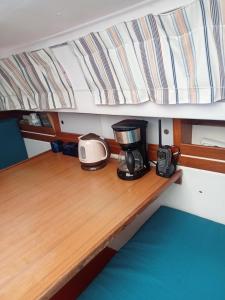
203 151
208 122
38 136
38 129
203 164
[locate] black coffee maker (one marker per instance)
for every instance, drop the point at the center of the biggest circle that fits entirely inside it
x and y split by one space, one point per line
131 135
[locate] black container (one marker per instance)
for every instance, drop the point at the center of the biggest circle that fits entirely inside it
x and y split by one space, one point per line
70 148
57 146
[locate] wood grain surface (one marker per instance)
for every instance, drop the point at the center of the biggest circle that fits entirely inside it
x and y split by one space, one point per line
55 217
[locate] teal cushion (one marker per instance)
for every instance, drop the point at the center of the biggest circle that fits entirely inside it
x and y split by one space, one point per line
12 148
174 256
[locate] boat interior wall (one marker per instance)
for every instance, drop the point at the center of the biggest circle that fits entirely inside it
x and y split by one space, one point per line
35 147
204 134
102 126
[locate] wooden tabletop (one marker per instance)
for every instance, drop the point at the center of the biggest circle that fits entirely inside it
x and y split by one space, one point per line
54 217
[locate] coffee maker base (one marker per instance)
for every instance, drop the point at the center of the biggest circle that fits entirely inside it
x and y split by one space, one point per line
127 176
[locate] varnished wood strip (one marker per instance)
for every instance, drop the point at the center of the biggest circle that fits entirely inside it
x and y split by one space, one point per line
68 137
38 129
203 151
79 282
208 122
203 164
152 151
38 136
177 134
182 131
54 120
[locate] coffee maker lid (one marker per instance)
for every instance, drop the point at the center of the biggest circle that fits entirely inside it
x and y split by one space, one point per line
129 124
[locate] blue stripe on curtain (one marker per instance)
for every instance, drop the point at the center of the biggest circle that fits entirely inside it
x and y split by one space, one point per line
34 80
172 58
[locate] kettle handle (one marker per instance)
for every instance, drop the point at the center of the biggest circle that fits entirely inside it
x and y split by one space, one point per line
106 147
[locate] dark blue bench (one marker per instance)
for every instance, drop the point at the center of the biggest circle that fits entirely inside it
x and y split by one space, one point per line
12 148
174 256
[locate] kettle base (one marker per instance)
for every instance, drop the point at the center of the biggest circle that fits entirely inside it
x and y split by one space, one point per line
93 166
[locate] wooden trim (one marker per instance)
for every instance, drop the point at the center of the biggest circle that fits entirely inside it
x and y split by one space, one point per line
54 120
114 146
203 164
203 151
38 136
39 129
152 151
208 122
80 281
177 136
182 131
10 114
67 137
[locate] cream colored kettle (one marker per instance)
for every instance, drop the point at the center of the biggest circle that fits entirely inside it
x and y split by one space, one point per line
93 151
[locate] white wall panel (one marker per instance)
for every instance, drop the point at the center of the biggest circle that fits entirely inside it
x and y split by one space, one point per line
211 132
101 124
201 193
36 147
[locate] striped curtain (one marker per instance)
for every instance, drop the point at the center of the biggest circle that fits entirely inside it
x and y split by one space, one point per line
34 80
172 58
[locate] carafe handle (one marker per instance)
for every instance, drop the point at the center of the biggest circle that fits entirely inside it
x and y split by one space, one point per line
130 161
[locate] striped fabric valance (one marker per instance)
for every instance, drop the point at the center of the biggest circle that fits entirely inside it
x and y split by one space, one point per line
34 80
172 58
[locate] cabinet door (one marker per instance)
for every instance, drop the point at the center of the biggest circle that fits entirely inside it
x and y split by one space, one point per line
12 148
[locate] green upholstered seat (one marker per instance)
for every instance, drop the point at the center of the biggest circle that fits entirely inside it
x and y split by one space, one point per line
12 148
174 256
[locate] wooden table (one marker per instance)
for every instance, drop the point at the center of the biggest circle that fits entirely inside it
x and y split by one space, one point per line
54 217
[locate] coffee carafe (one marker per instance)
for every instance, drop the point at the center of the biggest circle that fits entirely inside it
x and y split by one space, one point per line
133 159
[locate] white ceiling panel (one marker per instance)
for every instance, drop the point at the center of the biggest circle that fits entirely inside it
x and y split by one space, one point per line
25 21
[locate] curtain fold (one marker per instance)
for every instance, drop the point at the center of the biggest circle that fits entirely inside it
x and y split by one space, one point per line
34 80
172 58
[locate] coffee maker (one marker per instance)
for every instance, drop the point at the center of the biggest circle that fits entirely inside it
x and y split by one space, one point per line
133 159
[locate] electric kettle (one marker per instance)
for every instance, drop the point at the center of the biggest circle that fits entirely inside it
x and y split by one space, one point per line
93 152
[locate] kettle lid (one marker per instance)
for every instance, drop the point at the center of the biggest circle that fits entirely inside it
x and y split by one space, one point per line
89 136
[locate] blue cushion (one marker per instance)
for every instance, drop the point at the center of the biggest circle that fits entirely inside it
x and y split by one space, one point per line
12 148
174 256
